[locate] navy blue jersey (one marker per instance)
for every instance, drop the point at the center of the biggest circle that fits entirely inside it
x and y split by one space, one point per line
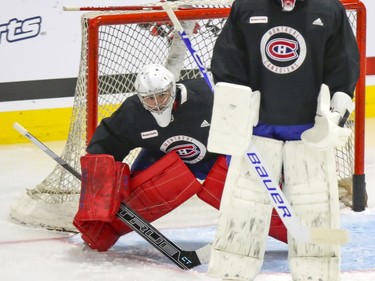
132 126
287 55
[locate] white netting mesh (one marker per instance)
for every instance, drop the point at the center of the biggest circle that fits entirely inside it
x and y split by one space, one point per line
123 49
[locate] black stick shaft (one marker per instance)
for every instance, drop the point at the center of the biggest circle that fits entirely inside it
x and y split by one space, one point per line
183 259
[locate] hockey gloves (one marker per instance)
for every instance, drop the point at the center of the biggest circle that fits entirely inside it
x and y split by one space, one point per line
328 131
235 112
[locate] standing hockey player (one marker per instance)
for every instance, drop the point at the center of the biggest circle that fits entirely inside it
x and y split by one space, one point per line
302 57
170 122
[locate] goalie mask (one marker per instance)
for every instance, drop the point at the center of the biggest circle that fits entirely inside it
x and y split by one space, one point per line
156 89
287 5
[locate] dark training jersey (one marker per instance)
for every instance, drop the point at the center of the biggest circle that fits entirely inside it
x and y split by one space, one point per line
287 55
133 126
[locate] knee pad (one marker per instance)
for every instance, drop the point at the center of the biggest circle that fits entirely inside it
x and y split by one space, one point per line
212 190
311 187
152 193
245 215
158 190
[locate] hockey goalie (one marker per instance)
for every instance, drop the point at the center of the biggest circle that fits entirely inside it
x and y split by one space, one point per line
170 121
306 170
301 59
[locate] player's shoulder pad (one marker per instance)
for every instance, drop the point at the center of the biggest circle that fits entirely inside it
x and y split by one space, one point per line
197 89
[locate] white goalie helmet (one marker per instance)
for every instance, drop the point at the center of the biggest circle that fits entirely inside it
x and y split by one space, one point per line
288 5
156 89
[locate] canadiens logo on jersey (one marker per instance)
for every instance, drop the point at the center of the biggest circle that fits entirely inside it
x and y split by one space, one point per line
190 150
283 49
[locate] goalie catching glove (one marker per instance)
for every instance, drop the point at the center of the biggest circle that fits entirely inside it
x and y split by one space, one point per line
328 130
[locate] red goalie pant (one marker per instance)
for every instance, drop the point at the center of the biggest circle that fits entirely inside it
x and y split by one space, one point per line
152 193
213 189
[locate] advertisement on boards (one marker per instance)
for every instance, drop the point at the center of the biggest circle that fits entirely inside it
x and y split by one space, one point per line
40 46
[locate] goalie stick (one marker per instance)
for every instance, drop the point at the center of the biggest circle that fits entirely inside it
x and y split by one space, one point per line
186 40
183 258
293 224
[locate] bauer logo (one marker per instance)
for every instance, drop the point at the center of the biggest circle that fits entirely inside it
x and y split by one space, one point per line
275 193
20 29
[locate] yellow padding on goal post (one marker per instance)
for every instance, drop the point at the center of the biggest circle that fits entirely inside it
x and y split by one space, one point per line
370 101
45 124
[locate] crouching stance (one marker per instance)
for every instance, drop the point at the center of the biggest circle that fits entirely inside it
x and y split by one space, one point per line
170 122
152 193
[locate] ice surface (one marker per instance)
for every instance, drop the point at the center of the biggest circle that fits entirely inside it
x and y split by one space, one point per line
37 254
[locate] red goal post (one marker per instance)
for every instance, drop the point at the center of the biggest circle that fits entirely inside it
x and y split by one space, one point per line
359 26
115 45
359 200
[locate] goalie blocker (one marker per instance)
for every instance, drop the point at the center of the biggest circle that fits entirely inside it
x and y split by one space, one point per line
152 193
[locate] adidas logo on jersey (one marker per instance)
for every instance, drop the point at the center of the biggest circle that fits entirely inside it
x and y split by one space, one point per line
318 21
205 124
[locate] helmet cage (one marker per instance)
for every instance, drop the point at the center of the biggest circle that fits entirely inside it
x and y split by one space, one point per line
288 5
158 101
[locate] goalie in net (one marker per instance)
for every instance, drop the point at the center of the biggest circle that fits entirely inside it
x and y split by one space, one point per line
171 123
289 51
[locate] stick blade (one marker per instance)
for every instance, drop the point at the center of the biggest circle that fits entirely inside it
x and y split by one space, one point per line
204 254
329 236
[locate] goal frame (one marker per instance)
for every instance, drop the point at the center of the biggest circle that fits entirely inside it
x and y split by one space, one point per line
359 200
52 203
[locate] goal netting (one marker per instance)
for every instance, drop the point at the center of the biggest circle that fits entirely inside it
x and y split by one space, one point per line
115 45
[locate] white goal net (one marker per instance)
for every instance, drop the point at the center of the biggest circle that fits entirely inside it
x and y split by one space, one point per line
115 45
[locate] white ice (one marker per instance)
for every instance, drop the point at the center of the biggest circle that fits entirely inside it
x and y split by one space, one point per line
38 254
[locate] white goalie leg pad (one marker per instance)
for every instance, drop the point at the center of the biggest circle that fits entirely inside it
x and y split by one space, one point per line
235 112
245 212
311 187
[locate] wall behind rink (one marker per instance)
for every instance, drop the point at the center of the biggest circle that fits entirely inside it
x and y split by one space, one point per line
40 41
40 48
39 62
